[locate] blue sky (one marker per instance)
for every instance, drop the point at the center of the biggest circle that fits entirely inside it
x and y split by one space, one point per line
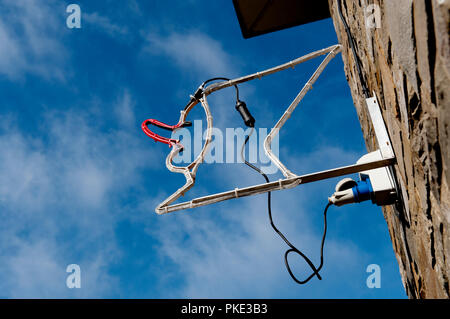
79 180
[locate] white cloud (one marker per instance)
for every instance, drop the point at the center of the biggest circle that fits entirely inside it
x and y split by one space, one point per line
105 24
11 57
60 201
30 36
193 51
38 270
124 110
322 157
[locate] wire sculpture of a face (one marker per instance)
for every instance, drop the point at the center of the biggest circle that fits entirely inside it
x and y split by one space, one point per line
200 97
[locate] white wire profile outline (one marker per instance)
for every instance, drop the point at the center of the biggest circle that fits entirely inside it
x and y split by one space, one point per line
291 180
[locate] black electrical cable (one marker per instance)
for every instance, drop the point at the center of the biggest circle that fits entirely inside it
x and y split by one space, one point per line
224 79
198 94
292 247
351 41
250 121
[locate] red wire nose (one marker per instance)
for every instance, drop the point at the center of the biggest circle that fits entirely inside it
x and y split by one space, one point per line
156 137
162 139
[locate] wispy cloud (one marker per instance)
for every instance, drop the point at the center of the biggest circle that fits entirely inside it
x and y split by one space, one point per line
192 51
60 199
323 156
124 110
30 35
105 24
37 270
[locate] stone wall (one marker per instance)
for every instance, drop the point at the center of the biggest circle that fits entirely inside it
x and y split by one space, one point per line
405 58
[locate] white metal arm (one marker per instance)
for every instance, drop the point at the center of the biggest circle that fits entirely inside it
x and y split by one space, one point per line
287 114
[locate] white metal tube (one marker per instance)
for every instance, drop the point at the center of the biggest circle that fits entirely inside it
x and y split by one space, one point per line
278 185
287 114
258 75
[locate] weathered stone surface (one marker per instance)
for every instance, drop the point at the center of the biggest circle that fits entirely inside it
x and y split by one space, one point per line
406 62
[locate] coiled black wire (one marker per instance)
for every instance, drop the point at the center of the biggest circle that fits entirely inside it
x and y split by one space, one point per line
292 247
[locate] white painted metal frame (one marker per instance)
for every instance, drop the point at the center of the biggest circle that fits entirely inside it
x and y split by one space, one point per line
291 180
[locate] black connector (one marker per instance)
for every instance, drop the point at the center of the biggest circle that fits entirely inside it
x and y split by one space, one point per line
198 94
249 120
